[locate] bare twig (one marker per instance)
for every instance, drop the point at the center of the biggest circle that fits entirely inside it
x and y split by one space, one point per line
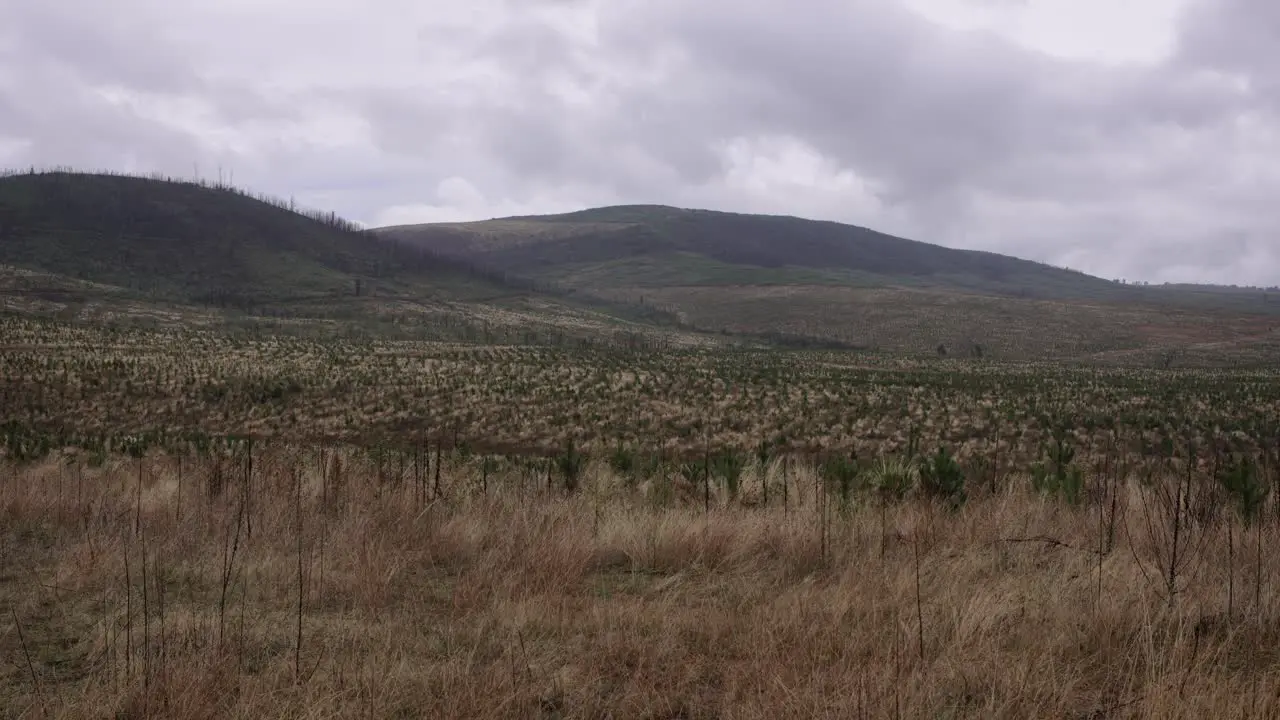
297 660
35 679
919 607
1045 539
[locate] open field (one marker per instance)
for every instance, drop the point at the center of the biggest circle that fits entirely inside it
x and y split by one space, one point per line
285 581
83 379
450 313
917 320
199 525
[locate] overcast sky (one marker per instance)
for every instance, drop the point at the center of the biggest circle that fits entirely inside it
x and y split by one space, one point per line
1136 139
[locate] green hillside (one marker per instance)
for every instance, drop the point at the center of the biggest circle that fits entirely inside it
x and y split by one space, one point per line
102 246
188 242
654 246
694 247
91 246
786 276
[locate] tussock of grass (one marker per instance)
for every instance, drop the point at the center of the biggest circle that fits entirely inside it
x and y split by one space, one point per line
519 603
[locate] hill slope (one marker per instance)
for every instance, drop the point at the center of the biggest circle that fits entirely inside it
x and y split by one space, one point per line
803 278
72 242
184 241
659 246
85 247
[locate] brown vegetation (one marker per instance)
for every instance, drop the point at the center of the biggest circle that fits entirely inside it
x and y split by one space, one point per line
305 582
531 400
200 525
916 321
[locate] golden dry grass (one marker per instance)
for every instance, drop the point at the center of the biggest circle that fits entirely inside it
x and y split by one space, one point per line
498 598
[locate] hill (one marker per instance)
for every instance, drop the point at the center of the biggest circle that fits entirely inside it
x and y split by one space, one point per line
659 246
154 250
828 281
74 243
190 242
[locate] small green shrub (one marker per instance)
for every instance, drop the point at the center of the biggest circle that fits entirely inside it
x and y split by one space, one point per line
572 464
623 461
842 472
893 478
1059 476
1066 482
941 478
729 466
1241 479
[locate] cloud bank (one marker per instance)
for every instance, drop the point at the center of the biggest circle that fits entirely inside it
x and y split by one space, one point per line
1143 150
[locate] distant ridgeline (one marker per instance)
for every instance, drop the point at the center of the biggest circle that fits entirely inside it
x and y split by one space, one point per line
205 242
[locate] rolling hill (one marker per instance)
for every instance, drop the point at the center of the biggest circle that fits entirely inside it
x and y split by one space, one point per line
765 274
73 242
188 242
658 246
95 246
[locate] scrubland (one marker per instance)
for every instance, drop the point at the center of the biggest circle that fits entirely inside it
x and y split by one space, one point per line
197 526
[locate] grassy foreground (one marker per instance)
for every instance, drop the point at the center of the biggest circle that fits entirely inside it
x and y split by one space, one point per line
317 583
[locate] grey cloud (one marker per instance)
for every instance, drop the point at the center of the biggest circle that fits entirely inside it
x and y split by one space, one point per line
919 107
962 137
100 45
83 70
1231 35
935 115
872 87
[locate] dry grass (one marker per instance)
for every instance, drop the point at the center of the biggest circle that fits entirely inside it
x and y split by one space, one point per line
497 598
86 379
917 321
